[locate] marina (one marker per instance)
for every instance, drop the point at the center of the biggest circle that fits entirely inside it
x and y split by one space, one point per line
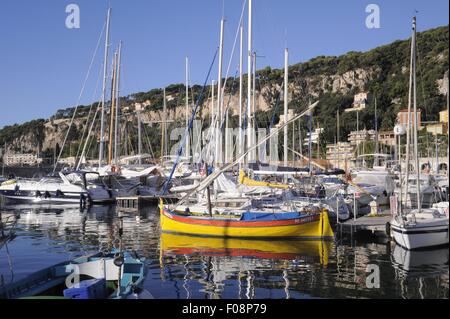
326 179
181 267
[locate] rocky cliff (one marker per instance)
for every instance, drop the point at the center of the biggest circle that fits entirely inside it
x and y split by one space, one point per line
383 72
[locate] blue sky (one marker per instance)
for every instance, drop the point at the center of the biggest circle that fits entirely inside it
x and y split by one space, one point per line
43 64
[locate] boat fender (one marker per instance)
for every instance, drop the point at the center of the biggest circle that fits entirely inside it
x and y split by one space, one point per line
388 229
118 260
82 201
38 194
59 193
89 199
47 194
16 189
187 210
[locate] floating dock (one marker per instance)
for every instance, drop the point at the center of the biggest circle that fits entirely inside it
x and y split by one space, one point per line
137 202
376 224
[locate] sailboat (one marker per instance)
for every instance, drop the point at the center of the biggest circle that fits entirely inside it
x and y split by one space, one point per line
419 228
250 222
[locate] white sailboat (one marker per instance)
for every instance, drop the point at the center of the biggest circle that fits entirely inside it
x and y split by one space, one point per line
418 228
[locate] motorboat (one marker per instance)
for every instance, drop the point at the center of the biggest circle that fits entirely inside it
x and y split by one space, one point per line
363 192
380 178
99 276
65 187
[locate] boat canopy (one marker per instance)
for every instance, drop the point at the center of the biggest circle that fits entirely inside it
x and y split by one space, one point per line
251 216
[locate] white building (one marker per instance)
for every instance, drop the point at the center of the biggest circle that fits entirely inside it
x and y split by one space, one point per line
357 137
21 159
290 116
67 161
340 154
360 102
314 136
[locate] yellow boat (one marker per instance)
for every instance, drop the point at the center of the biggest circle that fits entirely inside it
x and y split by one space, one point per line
176 245
262 225
244 180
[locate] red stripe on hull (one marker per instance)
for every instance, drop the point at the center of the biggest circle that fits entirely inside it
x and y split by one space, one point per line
231 223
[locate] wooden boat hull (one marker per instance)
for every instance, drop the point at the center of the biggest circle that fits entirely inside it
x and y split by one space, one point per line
315 226
173 245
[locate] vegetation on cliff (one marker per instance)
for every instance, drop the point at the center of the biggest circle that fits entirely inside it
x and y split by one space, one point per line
383 71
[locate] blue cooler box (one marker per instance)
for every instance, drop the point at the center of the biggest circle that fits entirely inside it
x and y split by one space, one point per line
88 289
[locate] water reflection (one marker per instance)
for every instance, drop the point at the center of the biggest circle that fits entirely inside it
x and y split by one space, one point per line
415 270
193 267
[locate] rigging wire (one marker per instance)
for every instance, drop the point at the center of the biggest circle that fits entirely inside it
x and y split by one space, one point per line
89 114
194 112
81 95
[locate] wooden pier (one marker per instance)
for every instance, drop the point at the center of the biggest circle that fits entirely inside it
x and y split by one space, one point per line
376 224
137 202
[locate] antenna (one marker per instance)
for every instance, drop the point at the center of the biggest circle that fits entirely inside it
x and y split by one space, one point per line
223 9
285 38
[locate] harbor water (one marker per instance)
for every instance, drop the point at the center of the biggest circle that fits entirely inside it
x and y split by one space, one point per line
181 267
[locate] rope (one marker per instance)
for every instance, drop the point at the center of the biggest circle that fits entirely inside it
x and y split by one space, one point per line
234 46
189 127
80 96
89 114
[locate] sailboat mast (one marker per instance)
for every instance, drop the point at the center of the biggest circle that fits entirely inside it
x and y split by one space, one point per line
188 137
408 129
310 123
338 139
116 129
376 134
357 135
448 127
112 109
218 155
293 143
3 159
213 105
416 120
286 93
300 137
241 89
163 127
105 75
254 128
249 82
138 115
